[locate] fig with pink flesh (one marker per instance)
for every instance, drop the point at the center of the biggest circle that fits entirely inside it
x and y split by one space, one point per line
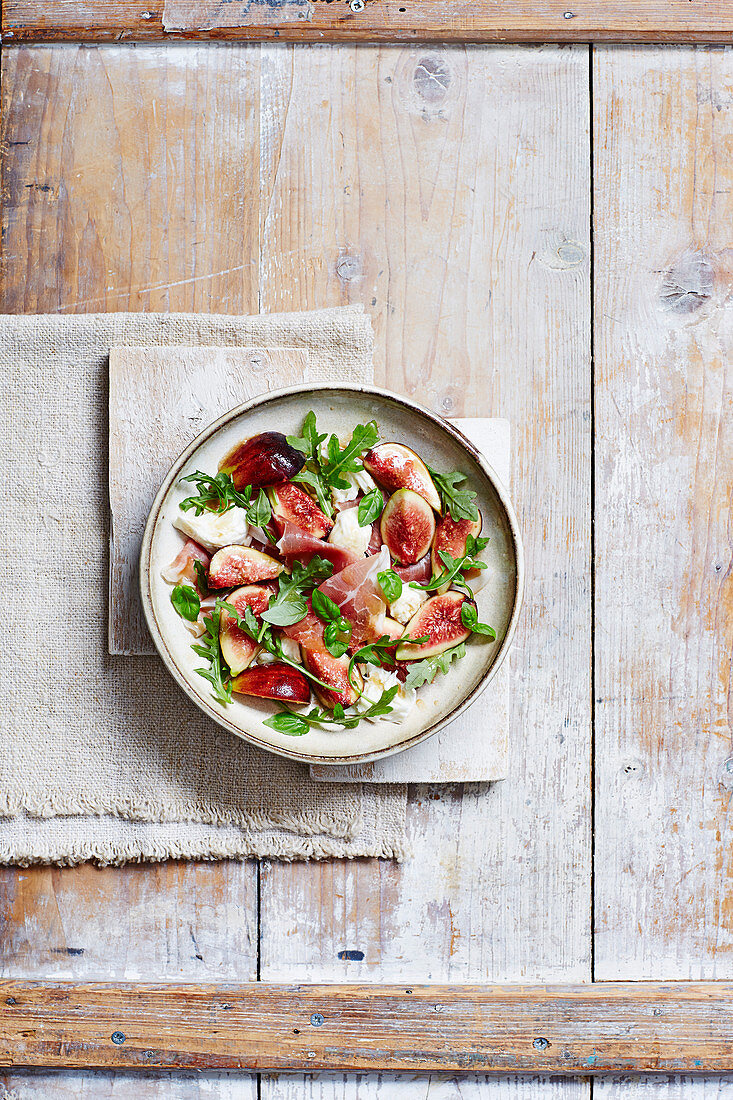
391 628
237 648
233 565
334 671
273 681
407 526
265 459
438 620
290 502
451 535
394 466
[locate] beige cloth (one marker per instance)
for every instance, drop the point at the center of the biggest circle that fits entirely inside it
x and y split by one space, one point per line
104 757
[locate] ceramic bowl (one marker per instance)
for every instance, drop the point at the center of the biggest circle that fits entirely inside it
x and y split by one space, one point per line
337 409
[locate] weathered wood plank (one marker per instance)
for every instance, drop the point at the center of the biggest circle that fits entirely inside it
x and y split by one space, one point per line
375 20
664 475
638 1027
125 179
426 183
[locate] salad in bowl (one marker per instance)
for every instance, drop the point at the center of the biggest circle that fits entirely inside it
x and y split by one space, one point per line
327 576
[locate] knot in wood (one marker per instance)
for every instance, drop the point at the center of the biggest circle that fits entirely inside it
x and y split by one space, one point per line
688 284
348 267
432 79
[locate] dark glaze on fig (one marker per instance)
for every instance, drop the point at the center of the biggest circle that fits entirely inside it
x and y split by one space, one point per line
265 459
273 681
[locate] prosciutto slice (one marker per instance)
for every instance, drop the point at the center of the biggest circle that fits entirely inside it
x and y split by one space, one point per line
182 566
295 544
356 591
420 572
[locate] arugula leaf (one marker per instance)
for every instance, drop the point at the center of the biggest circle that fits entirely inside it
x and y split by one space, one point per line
424 672
314 480
459 502
290 606
391 584
370 507
298 724
346 461
186 601
469 618
202 580
453 567
310 441
209 648
215 494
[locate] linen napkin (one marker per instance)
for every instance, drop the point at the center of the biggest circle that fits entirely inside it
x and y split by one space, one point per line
104 757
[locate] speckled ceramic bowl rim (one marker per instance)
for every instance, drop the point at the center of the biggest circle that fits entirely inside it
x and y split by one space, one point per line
262 401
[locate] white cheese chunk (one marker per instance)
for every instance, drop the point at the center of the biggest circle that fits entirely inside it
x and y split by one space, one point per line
360 482
407 603
378 680
212 530
348 534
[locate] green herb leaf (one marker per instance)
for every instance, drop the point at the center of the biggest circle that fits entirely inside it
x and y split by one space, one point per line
258 514
310 441
209 648
186 601
382 705
314 480
290 606
346 461
285 722
459 502
454 567
424 672
324 607
215 494
338 717
335 641
469 618
391 584
370 507
202 580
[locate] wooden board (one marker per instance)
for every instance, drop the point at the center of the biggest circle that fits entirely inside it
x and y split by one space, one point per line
664 481
636 1027
159 401
372 20
440 209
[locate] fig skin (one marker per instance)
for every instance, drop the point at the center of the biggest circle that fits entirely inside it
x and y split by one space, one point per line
235 565
265 459
332 670
439 619
273 681
452 535
237 648
407 526
290 502
394 466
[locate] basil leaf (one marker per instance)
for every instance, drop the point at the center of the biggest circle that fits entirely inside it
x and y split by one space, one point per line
391 584
324 606
335 644
287 609
469 618
370 507
258 514
186 601
285 722
202 580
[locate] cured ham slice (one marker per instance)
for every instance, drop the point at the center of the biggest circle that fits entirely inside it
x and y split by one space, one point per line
356 591
182 566
420 572
295 544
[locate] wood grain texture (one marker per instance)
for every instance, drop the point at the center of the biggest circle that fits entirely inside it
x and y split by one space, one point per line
159 401
446 189
664 474
637 1027
379 20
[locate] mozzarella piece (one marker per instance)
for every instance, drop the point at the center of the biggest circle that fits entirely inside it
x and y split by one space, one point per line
212 530
360 482
378 680
409 601
348 534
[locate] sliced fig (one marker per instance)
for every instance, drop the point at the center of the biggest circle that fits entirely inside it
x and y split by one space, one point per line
407 526
273 681
334 671
265 459
438 620
452 535
391 628
237 648
395 466
290 502
233 565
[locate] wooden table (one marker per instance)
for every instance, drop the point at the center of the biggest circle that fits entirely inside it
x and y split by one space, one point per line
540 233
